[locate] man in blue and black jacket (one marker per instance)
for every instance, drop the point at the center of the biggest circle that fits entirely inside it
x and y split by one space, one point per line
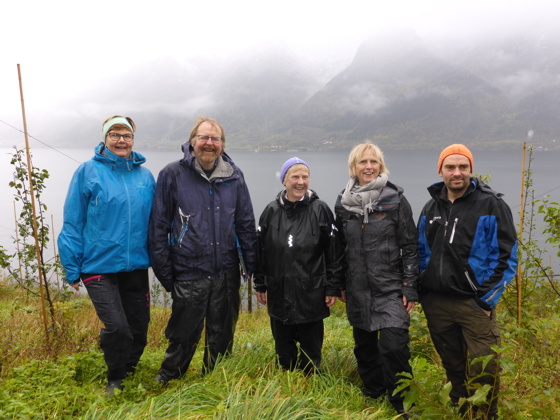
468 256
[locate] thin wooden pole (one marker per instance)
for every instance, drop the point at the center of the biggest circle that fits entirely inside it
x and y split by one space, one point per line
250 294
32 192
520 237
17 244
55 253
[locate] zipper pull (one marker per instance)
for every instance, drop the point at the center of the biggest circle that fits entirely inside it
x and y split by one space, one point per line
453 230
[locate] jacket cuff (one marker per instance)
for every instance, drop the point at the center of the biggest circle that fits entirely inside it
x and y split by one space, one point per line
167 285
411 293
482 304
333 292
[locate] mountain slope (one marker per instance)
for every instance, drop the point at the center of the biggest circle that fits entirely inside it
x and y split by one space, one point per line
401 93
398 91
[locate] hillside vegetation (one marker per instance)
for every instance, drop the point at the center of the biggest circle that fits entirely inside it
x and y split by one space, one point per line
51 365
64 376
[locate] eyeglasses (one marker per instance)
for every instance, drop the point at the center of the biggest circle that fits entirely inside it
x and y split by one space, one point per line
126 137
203 139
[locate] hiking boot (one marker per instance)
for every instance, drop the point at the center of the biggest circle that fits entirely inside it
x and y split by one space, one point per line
160 379
113 385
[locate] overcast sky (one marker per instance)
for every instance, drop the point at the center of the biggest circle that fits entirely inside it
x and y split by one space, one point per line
65 46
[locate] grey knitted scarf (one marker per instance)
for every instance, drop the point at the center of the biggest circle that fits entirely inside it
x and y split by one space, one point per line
360 199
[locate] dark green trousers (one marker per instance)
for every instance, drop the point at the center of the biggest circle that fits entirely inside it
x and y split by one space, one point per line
461 331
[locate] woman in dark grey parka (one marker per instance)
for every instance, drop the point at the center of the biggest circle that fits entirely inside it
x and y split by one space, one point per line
380 242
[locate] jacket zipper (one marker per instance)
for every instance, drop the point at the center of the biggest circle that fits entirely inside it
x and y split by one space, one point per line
470 281
184 225
495 292
213 222
364 257
441 258
129 208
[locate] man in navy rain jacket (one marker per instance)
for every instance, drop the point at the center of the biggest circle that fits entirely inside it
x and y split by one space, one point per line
202 228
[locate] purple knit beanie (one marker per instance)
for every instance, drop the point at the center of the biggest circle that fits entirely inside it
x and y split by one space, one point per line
288 164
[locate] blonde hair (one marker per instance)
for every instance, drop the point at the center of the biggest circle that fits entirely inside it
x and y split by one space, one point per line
359 151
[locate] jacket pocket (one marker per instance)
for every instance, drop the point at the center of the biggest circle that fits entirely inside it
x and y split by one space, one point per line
184 218
89 280
470 277
97 214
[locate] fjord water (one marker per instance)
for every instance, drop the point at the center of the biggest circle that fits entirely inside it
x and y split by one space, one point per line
412 170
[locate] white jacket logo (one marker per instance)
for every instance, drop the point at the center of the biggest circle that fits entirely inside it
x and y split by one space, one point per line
290 241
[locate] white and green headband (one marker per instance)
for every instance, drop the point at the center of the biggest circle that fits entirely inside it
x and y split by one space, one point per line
112 122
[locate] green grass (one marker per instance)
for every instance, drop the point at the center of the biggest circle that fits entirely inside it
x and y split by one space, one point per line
67 380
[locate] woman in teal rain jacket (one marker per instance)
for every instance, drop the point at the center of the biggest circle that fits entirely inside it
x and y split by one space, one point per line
103 243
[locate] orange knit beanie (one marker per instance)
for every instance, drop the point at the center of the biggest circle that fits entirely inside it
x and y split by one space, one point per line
455 149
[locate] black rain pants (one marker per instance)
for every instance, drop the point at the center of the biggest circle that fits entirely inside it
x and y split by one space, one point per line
122 303
309 335
211 304
381 356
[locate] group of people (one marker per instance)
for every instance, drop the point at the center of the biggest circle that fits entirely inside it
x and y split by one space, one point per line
195 227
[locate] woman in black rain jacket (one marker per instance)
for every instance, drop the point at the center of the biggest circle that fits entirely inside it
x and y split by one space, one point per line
298 268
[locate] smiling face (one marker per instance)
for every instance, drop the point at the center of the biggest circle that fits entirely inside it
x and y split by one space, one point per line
456 174
367 168
119 147
296 182
206 152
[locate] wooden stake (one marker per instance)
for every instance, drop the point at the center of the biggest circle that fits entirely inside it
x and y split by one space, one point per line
32 192
17 243
520 237
250 294
55 253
